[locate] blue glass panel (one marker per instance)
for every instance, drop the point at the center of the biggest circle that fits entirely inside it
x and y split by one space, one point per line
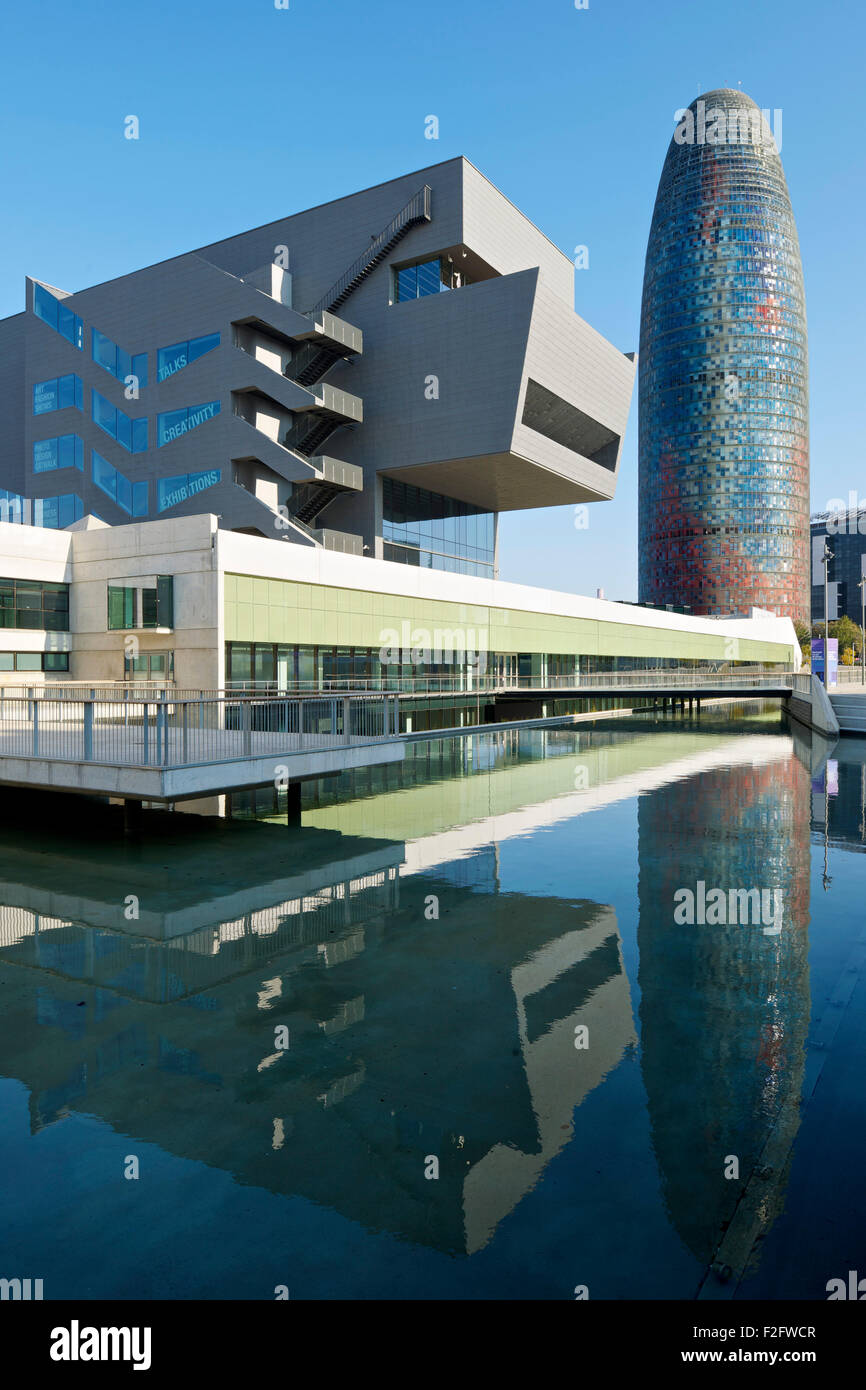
170 425
199 346
124 365
124 431
44 455
174 423
139 368
70 326
429 279
170 360
44 396
124 493
104 414
139 499
139 435
104 474
103 350
171 491
66 451
45 306
407 283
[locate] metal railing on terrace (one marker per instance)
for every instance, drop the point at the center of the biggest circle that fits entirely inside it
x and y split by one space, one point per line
459 682
177 731
462 683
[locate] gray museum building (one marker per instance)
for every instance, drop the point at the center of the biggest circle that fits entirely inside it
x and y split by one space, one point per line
380 375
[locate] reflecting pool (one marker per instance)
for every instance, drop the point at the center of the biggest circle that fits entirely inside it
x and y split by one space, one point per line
507 1021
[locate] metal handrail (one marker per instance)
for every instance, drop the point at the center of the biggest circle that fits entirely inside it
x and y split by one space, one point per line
185 732
416 210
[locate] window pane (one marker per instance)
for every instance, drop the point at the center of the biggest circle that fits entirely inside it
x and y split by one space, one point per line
7 661
139 499
28 661
55 661
44 455
103 351
170 360
44 396
170 426
124 430
104 414
104 475
124 493
199 346
66 451
170 491
139 435
45 305
148 608
139 368
70 326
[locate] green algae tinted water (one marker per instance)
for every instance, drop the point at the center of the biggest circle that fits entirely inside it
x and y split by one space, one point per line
448 1039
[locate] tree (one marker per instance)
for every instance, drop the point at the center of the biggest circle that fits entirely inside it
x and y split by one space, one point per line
847 633
804 637
847 657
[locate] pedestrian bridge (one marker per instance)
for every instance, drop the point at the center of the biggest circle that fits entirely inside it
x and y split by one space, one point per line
169 745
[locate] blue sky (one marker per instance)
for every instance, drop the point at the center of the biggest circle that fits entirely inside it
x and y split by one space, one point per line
249 113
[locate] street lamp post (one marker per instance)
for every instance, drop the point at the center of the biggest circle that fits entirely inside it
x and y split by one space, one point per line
826 557
861 585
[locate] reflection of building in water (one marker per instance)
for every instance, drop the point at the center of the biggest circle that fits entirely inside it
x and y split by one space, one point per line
724 1009
408 1037
839 798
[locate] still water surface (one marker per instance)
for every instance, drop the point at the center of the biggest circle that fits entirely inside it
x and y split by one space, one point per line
432 949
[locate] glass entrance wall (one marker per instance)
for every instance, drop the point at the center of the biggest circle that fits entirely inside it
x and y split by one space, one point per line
423 528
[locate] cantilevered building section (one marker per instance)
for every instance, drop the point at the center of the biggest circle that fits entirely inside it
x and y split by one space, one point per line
724 441
381 375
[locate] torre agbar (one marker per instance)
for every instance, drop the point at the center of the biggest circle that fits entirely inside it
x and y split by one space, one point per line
723 373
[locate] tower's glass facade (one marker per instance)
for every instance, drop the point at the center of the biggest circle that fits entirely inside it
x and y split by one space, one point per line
724 442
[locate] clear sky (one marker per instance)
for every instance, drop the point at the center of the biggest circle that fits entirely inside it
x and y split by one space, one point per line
248 113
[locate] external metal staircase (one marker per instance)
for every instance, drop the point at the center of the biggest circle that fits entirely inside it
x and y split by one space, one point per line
418 209
307 435
311 362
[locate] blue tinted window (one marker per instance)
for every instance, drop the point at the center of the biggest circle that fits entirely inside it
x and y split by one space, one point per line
117 486
104 351
70 326
104 414
415 281
67 451
117 360
139 499
131 434
199 346
124 431
55 512
139 435
45 455
53 312
170 360
45 306
171 491
124 493
57 394
174 358
104 475
173 423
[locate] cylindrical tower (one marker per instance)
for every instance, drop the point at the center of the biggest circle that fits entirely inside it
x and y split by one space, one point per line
724 403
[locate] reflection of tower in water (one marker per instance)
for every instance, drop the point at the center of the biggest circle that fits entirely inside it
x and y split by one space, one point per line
724 1008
